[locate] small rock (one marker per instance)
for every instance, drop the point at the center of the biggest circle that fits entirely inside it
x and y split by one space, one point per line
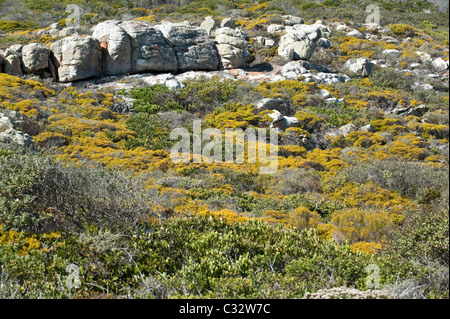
356 34
392 53
440 64
228 23
275 28
361 66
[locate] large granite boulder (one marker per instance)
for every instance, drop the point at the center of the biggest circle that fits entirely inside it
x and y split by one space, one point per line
193 48
76 58
35 58
116 47
151 51
12 60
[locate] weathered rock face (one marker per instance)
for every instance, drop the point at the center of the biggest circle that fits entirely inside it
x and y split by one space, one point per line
232 48
192 47
133 47
151 51
228 23
299 42
12 60
116 48
76 58
11 136
210 25
35 58
12 65
361 66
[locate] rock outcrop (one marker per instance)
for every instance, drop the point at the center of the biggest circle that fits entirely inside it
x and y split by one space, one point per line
192 47
35 58
76 58
300 41
232 47
150 50
361 66
210 25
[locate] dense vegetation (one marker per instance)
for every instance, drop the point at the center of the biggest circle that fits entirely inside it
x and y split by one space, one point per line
100 191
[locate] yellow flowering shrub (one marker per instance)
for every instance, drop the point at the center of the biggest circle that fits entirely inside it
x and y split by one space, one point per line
303 218
18 241
365 247
355 225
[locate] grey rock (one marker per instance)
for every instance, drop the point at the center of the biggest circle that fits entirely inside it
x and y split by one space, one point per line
278 104
356 34
150 50
392 53
12 65
367 128
11 136
440 64
116 48
70 31
275 28
35 58
232 48
361 66
76 58
192 47
228 23
210 25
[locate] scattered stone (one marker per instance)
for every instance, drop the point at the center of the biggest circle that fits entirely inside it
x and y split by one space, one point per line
11 136
440 64
356 34
361 66
392 53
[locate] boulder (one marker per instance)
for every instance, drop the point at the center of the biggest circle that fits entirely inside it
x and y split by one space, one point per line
277 104
424 57
35 58
5 123
150 50
392 53
356 34
76 58
292 20
116 48
15 49
12 65
70 31
343 130
232 48
228 23
192 47
361 66
275 28
210 25
11 136
299 43
440 64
